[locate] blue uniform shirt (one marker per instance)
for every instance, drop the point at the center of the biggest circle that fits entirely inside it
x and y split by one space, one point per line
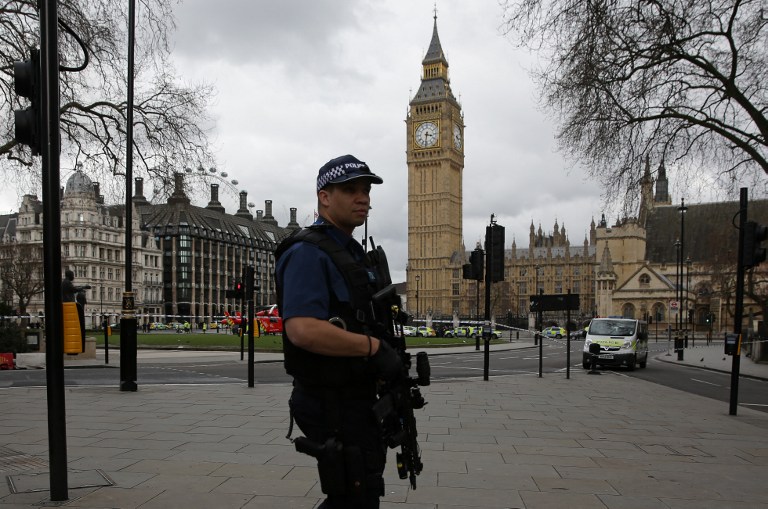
308 276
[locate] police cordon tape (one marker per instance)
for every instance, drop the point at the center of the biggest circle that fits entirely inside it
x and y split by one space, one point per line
113 317
138 315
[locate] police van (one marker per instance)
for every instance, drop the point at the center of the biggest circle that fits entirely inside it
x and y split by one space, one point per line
623 342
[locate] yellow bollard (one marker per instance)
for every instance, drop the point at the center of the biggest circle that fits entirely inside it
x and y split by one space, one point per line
73 343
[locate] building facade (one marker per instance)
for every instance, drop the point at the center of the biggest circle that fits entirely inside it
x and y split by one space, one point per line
184 257
93 247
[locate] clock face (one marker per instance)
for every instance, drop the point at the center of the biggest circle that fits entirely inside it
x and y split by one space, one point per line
457 136
426 134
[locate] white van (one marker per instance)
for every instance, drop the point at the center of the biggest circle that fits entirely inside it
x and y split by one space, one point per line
623 341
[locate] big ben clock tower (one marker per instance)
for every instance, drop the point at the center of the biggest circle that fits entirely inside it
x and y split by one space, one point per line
435 154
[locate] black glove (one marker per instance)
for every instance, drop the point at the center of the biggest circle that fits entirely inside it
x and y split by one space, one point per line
387 363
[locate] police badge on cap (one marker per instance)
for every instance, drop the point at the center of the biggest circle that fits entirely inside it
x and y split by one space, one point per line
343 169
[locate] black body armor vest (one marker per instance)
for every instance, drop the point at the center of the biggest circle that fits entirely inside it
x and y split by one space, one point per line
317 370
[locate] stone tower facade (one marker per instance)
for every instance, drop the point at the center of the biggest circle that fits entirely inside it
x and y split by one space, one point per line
435 156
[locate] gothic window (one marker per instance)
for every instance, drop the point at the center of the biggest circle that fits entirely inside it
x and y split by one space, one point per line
658 312
628 310
645 280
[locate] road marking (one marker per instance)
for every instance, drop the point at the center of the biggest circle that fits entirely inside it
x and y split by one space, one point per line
705 382
753 404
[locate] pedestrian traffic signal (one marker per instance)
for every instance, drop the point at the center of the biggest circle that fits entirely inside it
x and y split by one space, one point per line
753 253
29 124
236 292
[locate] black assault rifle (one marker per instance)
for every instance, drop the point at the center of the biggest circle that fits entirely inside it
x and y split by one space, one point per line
398 399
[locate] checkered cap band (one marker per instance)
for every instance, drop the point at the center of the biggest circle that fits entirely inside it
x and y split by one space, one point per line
342 169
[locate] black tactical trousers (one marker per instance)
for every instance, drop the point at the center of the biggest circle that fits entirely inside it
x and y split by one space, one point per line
318 414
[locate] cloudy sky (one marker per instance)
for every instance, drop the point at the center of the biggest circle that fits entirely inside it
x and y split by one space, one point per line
300 82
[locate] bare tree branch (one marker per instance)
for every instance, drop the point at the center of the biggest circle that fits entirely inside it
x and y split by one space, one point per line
170 118
21 271
675 80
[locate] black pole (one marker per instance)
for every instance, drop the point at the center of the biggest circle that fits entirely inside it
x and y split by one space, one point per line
677 292
684 339
477 311
54 329
252 323
128 368
489 261
240 331
739 309
568 335
541 338
538 317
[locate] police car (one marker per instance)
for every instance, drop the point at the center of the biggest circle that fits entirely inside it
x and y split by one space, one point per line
622 342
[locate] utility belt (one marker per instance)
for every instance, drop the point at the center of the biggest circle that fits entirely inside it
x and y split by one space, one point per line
363 390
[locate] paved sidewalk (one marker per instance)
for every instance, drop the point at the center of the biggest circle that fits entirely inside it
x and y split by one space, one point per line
588 442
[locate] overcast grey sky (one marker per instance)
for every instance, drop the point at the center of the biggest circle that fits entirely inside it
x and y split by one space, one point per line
300 82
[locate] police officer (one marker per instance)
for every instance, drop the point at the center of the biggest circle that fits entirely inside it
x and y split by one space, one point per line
330 348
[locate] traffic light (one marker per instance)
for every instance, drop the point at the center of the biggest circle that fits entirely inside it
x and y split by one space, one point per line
494 242
29 124
249 276
477 262
753 252
236 292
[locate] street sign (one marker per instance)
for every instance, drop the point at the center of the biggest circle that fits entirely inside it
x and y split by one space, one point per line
556 302
674 305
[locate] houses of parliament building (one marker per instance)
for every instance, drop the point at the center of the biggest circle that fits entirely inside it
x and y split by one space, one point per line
639 267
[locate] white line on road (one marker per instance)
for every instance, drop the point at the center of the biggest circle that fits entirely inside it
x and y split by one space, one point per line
705 382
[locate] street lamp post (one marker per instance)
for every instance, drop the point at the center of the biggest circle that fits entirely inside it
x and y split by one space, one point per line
688 317
418 278
682 208
678 346
104 324
537 325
